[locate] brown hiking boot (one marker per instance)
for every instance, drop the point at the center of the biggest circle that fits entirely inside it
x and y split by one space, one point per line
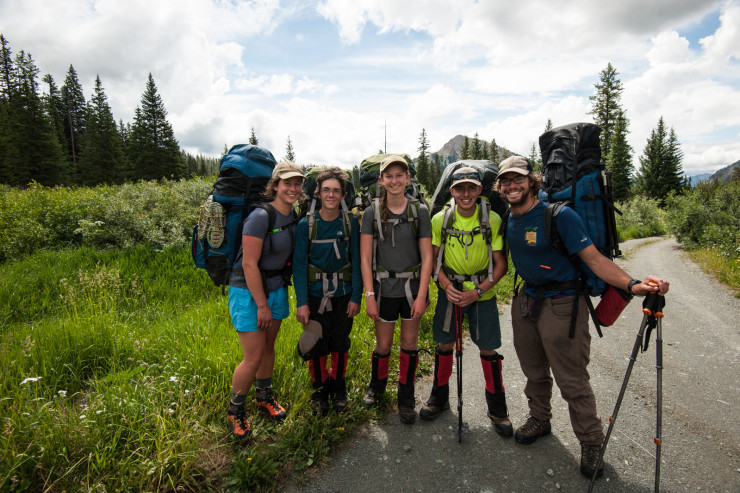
589 460
371 397
438 401
530 431
268 406
237 423
502 426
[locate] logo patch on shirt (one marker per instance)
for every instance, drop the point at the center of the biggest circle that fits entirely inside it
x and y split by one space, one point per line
531 238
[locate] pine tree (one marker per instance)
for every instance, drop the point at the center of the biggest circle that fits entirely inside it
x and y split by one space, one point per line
605 105
619 160
534 158
29 149
660 164
465 149
548 125
476 152
289 153
423 175
74 117
436 170
102 159
252 139
493 153
153 149
8 74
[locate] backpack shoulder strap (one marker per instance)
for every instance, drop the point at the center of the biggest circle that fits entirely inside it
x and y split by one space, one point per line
551 226
448 219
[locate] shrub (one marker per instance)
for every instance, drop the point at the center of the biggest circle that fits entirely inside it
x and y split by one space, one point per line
157 214
641 217
708 216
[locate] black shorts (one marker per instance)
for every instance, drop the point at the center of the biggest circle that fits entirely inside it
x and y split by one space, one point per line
391 308
335 324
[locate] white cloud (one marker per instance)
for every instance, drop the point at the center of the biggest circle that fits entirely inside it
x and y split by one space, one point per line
454 66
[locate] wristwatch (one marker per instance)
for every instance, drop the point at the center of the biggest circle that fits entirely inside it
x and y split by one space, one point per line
480 292
631 284
369 294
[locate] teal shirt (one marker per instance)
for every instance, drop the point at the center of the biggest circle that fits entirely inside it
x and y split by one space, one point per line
324 257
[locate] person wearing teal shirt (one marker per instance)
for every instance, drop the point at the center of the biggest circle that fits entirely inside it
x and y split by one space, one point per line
328 287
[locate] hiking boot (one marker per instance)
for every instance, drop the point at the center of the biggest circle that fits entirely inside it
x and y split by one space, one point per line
268 406
406 414
438 402
406 402
237 423
530 431
372 396
339 402
320 407
589 460
502 426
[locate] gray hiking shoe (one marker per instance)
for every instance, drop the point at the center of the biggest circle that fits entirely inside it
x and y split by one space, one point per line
589 460
530 431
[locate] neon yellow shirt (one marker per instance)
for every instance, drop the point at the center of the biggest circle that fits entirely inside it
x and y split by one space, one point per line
477 251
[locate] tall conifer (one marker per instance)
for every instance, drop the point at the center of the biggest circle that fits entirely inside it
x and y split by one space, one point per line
153 149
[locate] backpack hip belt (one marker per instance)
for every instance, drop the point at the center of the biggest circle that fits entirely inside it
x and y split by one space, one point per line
411 273
459 279
315 275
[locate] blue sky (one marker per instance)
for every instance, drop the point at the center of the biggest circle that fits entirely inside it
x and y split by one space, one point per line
331 73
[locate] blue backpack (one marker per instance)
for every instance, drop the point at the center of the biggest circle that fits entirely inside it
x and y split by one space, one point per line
243 175
574 175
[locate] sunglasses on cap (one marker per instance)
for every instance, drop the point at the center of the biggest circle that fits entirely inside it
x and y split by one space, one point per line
466 176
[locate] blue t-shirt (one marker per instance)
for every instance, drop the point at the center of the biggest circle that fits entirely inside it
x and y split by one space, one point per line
534 257
324 257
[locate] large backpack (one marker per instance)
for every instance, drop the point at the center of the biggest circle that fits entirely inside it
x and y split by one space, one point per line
243 175
574 175
488 172
369 174
308 209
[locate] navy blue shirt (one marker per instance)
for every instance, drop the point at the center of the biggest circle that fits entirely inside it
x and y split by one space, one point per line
534 257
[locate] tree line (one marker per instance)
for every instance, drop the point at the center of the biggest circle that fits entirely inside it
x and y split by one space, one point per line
60 138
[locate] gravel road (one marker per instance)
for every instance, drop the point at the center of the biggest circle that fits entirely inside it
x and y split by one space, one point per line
701 395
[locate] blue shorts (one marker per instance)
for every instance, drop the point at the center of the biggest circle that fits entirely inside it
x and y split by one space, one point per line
243 309
485 330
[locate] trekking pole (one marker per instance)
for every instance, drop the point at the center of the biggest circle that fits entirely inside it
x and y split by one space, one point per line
652 308
458 359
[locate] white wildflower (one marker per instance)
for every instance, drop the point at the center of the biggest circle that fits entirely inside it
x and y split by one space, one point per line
30 379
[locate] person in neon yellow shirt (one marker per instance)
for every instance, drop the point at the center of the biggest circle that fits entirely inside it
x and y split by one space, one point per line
467 268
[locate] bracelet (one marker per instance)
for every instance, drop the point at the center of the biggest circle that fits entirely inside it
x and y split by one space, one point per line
444 288
369 294
631 284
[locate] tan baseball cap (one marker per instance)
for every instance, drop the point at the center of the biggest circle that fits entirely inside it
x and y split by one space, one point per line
287 169
394 159
515 164
466 174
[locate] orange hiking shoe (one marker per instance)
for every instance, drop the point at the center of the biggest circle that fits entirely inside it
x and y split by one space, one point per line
237 423
268 406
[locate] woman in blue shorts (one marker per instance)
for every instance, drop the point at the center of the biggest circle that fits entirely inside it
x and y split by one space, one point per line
258 294
396 253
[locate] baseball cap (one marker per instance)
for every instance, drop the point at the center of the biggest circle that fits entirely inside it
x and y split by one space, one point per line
466 174
287 169
515 164
311 335
394 159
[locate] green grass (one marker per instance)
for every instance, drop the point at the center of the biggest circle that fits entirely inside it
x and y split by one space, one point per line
117 372
718 264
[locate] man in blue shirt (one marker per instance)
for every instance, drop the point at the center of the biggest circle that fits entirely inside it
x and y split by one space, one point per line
541 340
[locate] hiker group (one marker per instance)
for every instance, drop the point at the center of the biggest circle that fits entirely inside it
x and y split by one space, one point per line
387 246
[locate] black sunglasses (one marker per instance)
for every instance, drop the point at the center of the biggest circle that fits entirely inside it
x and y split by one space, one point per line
466 176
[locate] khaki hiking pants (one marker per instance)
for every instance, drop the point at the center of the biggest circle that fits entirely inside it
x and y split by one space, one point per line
544 346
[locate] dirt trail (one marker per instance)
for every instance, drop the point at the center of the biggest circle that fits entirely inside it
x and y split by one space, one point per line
701 393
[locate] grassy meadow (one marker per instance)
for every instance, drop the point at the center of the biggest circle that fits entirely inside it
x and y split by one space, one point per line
118 368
